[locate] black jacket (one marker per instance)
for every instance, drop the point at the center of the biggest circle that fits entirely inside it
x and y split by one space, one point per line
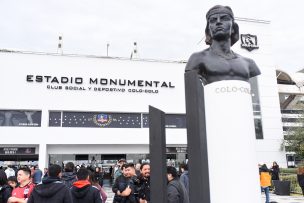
51 190
85 194
5 193
99 177
121 183
68 178
177 192
275 170
144 188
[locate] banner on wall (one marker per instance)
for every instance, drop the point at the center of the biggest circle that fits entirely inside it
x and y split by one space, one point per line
17 150
21 118
103 120
110 120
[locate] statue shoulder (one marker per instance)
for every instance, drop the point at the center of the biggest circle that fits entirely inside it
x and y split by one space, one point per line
196 59
253 68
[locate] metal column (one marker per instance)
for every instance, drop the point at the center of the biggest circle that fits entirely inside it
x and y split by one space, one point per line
158 176
197 140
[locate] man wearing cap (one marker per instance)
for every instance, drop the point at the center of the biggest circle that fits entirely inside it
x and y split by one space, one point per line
118 171
219 62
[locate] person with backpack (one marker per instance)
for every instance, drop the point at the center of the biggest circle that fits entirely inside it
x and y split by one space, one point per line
176 191
265 181
5 189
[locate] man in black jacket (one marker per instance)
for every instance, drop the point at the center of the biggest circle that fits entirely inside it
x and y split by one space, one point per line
176 191
144 188
82 191
124 187
51 189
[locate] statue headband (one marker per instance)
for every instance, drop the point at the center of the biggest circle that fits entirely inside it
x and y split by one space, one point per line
220 9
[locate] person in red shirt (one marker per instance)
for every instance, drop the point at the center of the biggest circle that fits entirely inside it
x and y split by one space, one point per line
21 193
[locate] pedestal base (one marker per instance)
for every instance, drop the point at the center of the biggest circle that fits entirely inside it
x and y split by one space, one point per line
233 170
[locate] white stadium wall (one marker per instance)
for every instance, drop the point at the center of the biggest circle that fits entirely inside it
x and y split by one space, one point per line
268 149
20 91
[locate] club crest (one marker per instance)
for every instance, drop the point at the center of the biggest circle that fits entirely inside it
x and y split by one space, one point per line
102 120
249 42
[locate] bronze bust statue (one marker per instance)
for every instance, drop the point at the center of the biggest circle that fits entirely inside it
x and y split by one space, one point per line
219 62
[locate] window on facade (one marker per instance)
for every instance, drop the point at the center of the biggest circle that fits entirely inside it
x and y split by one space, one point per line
171 120
256 108
55 118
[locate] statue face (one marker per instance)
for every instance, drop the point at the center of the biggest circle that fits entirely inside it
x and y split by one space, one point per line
220 26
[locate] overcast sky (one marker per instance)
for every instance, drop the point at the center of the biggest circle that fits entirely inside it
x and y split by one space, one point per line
163 29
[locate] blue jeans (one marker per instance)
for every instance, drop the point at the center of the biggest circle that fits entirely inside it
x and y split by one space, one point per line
266 190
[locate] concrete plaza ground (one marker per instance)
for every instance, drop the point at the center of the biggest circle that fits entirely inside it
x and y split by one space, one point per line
284 199
273 197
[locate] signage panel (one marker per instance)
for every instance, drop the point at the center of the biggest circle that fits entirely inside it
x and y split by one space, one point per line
21 118
17 150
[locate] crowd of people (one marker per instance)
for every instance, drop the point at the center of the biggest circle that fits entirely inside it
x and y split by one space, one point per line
30 185
132 183
85 184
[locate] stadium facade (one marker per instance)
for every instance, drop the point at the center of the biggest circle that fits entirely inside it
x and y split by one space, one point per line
89 109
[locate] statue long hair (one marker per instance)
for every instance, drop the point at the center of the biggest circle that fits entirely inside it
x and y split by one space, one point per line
222 9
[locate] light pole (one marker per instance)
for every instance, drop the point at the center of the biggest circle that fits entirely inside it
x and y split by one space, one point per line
108 49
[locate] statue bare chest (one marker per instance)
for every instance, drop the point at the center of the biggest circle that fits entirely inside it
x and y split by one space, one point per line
220 66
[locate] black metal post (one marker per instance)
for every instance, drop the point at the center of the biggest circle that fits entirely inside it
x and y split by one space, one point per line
197 139
158 176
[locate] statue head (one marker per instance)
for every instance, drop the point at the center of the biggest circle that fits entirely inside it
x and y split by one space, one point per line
222 10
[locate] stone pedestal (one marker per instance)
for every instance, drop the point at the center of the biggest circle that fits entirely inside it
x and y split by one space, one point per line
233 170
